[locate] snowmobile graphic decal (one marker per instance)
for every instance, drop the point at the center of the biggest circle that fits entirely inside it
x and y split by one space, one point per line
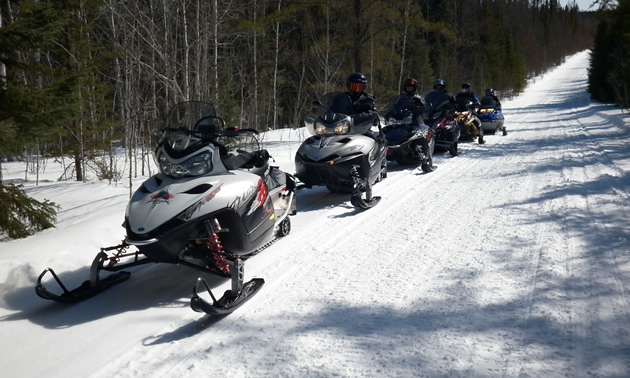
241 200
188 213
260 198
214 193
163 196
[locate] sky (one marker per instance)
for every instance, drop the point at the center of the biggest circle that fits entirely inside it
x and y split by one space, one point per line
582 4
509 260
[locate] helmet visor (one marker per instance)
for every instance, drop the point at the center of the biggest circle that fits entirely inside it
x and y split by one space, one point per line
356 87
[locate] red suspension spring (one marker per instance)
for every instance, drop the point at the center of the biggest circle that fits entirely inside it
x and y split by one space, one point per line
218 255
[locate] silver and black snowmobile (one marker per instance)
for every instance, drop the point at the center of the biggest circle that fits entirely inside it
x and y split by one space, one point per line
409 140
215 202
339 155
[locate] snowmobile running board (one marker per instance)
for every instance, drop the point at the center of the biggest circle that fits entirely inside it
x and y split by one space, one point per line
94 285
231 299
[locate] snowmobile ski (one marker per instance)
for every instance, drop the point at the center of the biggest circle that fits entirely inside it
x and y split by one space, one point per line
94 285
81 293
359 202
231 299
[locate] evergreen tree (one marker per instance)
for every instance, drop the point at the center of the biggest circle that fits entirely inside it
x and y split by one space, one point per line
21 216
54 88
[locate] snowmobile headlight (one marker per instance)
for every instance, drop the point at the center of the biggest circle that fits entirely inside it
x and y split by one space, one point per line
342 128
320 128
195 166
485 111
200 164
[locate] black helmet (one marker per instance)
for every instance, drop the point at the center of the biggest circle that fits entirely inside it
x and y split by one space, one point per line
356 82
489 92
439 82
410 86
466 86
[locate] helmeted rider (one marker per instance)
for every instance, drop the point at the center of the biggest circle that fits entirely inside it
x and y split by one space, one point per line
467 93
439 98
490 93
410 88
364 110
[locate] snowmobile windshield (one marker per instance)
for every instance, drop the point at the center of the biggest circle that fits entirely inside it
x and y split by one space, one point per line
195 116
487 102
463 104
187 124
435 99
333 115
335 103
400 107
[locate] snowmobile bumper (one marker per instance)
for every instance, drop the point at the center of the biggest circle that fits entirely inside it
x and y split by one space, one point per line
329 172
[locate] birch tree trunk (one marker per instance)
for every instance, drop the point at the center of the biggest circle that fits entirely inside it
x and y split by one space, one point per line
275 72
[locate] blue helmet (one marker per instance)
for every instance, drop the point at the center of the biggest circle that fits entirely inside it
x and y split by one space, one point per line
439 82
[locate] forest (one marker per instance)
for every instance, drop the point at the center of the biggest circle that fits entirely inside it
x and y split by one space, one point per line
79 78
609 72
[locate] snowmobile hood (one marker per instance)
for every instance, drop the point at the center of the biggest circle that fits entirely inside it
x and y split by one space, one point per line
161 199
325 148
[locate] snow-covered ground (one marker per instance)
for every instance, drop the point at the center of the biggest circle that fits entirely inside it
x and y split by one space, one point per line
510 260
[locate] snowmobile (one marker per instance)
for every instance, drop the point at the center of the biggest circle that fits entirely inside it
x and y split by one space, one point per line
468 123
215 202
338 155
408 141
491 118
446 131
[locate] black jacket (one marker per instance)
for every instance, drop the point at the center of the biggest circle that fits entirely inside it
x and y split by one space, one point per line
364 108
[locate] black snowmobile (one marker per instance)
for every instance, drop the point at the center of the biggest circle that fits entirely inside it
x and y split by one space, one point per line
408 140
215 202
339 155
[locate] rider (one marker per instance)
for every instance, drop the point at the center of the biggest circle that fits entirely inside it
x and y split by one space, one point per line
490 93
410 88
364 110
439 98
467 93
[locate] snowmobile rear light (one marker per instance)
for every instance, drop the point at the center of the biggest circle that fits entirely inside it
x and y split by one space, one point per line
194 166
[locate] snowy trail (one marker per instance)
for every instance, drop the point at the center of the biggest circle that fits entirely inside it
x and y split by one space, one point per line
511 259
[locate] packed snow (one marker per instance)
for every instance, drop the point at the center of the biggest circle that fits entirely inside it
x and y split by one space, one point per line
510 260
